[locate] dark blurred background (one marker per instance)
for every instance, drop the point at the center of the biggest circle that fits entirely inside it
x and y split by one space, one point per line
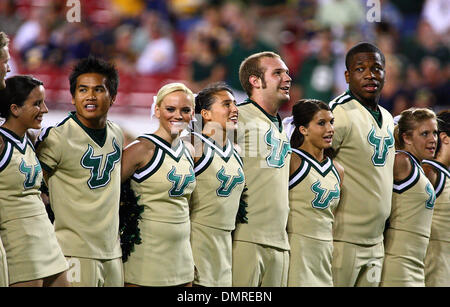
199 41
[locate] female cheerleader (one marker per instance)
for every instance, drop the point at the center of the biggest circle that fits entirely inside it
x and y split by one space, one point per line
33 254
220 182
437 260
314 193
162 177
408 232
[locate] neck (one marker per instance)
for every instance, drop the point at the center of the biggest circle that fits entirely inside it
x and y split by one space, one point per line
414 153
443 156
15 127
93 124
166 135
314 151
268 106
215 132
370 104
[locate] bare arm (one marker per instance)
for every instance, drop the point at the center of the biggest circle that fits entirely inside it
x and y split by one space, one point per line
295 163
135 156
402 166
340 170
431 174
2 145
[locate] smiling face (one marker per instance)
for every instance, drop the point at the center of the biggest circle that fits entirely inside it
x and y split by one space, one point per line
92 100
365 76
276 83
422 141
32 111
320 130
4 67
223 111
175 112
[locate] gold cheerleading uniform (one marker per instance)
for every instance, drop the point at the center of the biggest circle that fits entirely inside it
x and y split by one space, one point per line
214 205
406 238
437 259
164 187
314 193
32 251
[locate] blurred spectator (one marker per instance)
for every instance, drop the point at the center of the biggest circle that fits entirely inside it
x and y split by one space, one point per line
340 15
77 41
342 47
271 15
437 14
392 87
129 8
48 17
42 51
186 12
438 87
159 55
424 43
10 19
316 77
207 65
246 43
124 57
212 37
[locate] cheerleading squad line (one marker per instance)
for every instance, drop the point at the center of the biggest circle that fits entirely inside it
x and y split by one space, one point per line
198 209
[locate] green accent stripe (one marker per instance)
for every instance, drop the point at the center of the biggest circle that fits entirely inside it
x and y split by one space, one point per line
201 165
305 168
47 168
176 153
273 119
156 164
97 135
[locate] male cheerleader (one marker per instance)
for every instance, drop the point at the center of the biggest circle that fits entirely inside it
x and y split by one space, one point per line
261 247
81 161
363 143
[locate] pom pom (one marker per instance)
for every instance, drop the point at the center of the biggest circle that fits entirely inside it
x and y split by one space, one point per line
129 215
241 216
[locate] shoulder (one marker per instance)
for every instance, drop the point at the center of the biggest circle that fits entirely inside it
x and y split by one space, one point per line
340 101
339 168
431 172
296 161
402 166
140 149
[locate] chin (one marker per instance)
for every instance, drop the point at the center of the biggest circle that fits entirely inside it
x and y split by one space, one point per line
231 126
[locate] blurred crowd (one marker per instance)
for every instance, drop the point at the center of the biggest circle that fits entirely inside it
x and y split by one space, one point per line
200 41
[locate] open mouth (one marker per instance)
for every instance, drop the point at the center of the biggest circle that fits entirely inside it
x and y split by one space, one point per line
178 125
233 119
371 88
328 138
285 88
90 107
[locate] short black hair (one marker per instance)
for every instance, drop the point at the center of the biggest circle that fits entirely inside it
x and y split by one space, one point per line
205 98
361 48
99 66
17 90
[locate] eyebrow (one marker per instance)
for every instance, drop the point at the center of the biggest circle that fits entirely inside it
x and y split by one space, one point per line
95 86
